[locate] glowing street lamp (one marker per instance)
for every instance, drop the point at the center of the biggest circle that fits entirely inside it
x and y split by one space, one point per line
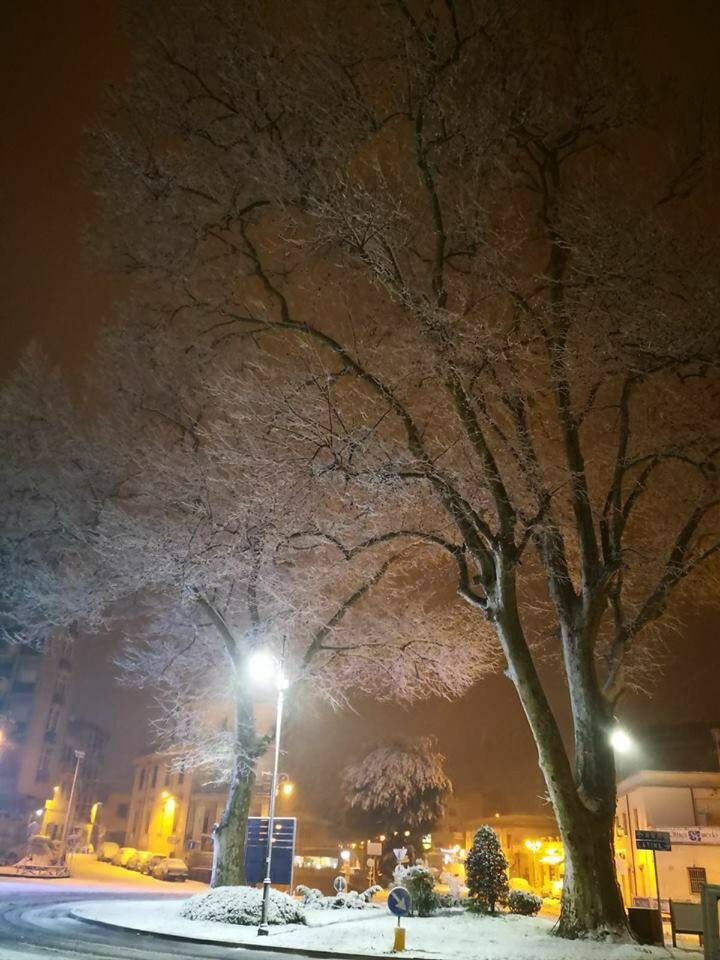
263 668
620 740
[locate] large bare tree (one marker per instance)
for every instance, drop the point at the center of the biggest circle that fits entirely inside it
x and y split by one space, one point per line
126 508
435 280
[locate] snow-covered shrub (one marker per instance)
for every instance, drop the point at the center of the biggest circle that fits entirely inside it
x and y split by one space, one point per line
352 900
421 883
243 906
524 902
311 896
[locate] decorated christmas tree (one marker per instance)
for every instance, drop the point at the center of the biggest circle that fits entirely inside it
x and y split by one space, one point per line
485 871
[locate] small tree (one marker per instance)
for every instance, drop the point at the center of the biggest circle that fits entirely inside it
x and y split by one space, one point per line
485 870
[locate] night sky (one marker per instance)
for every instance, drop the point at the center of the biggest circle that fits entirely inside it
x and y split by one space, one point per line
57 61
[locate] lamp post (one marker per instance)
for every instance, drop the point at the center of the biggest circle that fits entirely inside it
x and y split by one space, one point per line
79 756
262 665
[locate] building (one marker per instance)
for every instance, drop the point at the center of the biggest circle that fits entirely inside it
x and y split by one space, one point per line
86 738
687 806
34 716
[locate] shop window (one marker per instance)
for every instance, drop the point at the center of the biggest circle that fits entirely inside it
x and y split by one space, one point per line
697 877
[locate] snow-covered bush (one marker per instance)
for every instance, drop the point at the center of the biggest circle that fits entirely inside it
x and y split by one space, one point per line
524 902
243 906
421 883
352 900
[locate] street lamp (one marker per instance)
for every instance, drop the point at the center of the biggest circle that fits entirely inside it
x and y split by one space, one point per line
620 740
263 667
79 756
533 846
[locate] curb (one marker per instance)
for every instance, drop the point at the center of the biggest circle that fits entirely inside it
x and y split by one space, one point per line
293 951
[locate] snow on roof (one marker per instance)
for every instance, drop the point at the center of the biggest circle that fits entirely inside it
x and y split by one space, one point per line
668 778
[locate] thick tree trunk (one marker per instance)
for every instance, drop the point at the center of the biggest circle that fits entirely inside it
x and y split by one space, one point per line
229 835
591 901
583 799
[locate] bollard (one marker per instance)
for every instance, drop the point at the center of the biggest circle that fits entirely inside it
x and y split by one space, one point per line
399 940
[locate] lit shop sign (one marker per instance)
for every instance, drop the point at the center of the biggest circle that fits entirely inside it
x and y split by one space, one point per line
693 835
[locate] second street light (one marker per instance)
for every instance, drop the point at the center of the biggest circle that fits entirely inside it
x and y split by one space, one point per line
264 668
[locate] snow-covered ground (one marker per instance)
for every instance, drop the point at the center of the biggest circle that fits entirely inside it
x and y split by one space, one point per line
458 936
87 872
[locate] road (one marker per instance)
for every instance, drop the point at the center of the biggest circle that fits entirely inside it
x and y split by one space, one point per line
35 922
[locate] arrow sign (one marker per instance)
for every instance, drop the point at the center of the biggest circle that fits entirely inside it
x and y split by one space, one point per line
399 901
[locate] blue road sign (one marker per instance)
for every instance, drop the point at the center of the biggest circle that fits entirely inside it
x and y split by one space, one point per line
652 840
399 901
283 849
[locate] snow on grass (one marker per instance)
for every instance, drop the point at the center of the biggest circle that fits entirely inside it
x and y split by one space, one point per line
457 935
242 906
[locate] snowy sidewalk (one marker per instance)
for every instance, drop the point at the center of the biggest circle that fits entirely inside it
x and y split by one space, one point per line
455 937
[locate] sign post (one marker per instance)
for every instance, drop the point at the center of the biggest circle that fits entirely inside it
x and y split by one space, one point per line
654 840
399 903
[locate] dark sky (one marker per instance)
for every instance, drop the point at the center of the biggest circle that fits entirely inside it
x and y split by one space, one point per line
58 59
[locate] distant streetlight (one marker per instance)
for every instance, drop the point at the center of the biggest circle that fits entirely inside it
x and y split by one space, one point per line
620 740
262 668
287 788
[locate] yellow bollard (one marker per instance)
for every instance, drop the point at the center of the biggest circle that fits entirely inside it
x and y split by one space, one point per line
399 941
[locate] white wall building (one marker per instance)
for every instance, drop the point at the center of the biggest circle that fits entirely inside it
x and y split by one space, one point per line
686 805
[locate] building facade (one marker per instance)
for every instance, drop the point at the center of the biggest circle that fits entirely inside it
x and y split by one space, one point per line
34 717
687 806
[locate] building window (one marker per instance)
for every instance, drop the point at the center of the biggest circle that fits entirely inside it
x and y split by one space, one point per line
181 776
122 810
153 777
168 776
697 877
141 781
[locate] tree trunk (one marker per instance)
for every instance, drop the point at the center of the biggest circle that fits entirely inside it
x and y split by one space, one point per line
591 903
583 800
229 835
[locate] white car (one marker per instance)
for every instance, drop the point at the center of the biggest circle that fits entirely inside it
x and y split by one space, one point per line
123 855
107 850
170 869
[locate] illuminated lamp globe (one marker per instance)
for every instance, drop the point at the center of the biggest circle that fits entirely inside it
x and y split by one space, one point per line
620 741
262 667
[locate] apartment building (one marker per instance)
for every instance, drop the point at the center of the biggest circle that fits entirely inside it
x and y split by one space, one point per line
39 737
685 804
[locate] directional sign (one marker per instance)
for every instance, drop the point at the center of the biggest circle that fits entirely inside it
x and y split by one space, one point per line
340 884
283 848
652 840
399 901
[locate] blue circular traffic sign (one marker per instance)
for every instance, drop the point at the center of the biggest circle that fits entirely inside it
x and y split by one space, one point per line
399 901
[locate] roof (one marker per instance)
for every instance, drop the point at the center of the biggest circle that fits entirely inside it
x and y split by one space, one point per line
668 778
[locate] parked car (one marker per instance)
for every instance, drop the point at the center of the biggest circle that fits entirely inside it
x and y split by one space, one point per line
107 850
170 869
136 860
147 866
122 856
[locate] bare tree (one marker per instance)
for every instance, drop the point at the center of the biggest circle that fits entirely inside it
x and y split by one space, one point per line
470 311
132 508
